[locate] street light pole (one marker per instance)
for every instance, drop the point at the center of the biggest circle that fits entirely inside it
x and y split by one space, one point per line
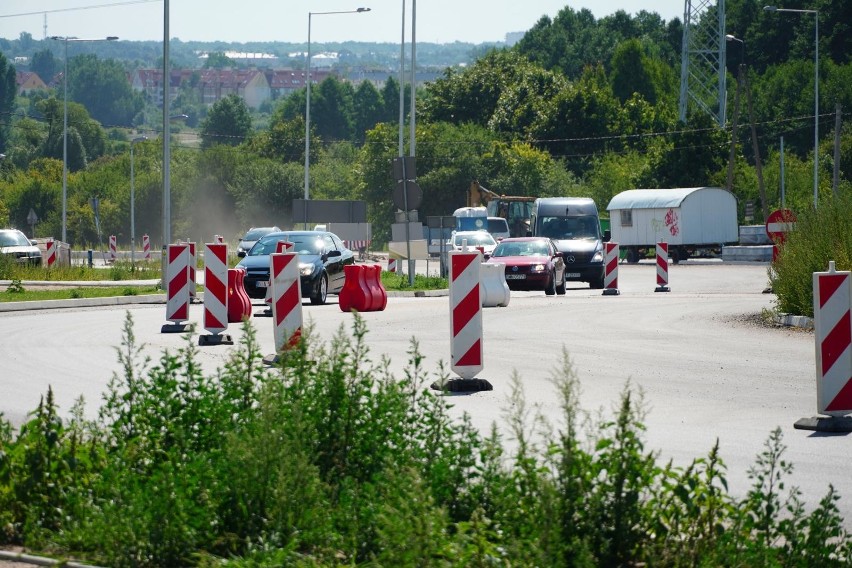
816 89
308 104
133 202
65 40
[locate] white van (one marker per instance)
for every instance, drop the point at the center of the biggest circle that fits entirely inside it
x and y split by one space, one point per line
499 228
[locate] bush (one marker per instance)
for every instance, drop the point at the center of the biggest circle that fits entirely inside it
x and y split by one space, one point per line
328 460
821 236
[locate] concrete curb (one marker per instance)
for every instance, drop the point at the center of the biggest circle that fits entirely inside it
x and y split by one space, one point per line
40 560
82 302
789 320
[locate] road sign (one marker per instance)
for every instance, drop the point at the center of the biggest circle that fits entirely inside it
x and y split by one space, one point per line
412 197
779 223
404 168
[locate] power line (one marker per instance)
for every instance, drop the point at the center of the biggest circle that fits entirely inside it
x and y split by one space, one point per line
125 3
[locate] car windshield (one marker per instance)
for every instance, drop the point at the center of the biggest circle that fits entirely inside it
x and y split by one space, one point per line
523 248
475 239
581 227
302 244
13 239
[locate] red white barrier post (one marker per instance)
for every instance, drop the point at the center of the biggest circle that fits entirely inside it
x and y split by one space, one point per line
50 252
146 247
833 342
611 269
391 264
215 295
192 266
177 288
465 322
286 302
112 248
280 246
662 267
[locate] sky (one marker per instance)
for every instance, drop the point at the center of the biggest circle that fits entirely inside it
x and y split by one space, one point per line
440 21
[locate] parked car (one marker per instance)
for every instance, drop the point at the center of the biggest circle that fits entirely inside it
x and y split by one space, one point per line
475 239
15 245
532 263
322 257
499 228
251 237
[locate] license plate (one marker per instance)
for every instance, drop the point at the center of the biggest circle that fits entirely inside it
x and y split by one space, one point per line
263 283
516 276
572 275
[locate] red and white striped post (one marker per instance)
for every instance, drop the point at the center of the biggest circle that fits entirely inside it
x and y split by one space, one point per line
280 246
466 320
146 247
192 266
611 269
177 288
391 264
112 248
215 295
50 252
662 267
219 239
286 302
833 335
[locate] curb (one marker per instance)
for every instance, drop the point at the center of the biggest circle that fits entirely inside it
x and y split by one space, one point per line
82 303
789 320
40 560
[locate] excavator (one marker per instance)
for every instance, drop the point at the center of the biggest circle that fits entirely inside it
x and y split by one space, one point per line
514 208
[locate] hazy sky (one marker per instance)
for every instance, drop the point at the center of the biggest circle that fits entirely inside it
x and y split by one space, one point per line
442 21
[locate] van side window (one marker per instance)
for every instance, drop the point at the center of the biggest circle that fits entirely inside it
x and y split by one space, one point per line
626 218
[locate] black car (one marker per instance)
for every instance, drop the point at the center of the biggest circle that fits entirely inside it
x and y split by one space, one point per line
252 236
322 257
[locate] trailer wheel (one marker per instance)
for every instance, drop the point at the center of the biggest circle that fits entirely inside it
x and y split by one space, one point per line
632 255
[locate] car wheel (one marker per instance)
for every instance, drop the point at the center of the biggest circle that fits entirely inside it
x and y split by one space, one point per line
560 289
551 285
597 283
321 291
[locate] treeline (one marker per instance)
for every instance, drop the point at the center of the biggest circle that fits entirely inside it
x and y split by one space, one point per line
579 107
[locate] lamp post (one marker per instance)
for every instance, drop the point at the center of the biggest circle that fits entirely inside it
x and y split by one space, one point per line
65 40
816 89
308 103
133 202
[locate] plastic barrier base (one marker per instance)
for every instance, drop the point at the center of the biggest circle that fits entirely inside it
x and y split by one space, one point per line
825 424
174 328
662 289
267 313
215 339
462 385
614 291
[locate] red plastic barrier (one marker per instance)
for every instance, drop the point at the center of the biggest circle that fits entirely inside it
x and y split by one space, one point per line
362 290
239 304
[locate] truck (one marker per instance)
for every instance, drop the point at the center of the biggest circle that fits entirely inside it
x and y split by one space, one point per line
692 220
572 223
514 208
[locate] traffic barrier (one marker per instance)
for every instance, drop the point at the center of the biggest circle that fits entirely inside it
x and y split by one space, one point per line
611 269
662 267
239 304
833 335
493 287
280 246
146 247
286 302
362 289
219 239
465 314
192 266
215 295
50 252
392 264
177 288
112 248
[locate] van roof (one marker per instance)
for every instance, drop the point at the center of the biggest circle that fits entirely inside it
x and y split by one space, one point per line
565 206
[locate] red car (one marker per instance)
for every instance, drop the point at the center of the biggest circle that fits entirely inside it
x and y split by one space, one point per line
532 263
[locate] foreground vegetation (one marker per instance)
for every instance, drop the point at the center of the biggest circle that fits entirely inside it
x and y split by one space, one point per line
120 270
16 292
331 461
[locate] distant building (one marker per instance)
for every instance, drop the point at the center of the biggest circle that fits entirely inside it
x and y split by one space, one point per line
212 84
283 82
251 58
28 81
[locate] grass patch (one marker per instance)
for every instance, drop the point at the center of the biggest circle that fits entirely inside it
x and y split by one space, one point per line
399 282
121 270
20 294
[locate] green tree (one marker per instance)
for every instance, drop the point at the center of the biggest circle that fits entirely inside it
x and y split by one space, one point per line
218 60
367 106
44 64
227 122
8 88
332 110
102 87
86 138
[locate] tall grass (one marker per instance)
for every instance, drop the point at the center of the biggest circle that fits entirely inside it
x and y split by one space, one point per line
328 460
120 270
821 235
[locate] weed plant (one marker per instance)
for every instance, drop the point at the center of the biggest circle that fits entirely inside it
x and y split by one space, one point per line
821 235
399 281
328 460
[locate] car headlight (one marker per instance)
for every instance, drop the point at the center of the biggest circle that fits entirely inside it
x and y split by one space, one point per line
306 269
538 268
598 257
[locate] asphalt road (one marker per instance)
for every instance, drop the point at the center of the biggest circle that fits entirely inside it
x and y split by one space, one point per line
708 370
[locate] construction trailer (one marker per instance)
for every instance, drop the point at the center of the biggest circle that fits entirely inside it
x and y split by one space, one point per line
692 220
